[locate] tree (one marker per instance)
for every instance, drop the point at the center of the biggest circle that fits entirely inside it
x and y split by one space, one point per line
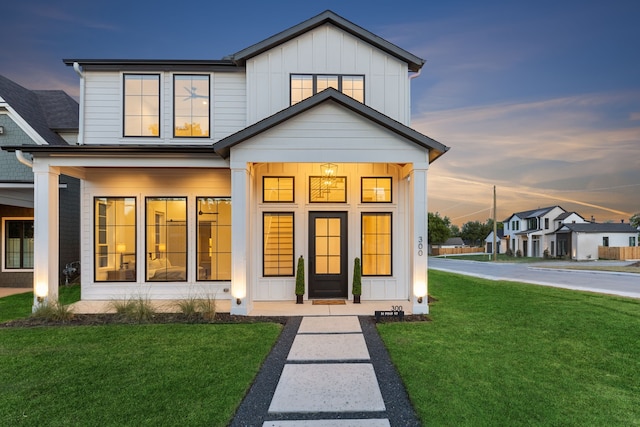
454 230
635 220
439 230
474 232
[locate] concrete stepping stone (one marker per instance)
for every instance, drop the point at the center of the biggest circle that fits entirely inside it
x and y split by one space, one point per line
328 347
375 422
329 325
327 387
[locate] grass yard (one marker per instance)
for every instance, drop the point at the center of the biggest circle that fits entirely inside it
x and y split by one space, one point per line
19 306
171 374
503 353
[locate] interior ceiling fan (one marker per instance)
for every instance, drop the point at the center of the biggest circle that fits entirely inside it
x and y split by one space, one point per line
193 94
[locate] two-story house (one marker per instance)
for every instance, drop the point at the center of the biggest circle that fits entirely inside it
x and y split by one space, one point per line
47 118
211 177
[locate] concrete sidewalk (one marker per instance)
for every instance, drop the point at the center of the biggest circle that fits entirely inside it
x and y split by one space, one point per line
327 371
5 292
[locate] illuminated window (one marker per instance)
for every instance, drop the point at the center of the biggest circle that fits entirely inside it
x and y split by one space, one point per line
166 249
115 239
141 105
376 244
277 189
18 244
376 190
305 85
328 189
190 106
214 238
277 258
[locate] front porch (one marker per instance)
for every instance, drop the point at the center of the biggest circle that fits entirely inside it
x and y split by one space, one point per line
270 308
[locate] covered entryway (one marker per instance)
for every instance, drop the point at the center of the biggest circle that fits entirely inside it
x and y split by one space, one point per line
328 254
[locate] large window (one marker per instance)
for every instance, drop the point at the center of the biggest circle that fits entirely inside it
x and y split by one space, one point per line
18 244
115 239
142 105
191 106
277 244
376 244
166 248
305 85
277 189
214 238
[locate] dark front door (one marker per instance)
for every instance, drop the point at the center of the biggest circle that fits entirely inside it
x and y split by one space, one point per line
327 254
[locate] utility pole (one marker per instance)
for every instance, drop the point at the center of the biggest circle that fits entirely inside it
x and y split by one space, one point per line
495 227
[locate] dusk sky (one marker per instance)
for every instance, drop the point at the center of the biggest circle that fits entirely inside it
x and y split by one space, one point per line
540 99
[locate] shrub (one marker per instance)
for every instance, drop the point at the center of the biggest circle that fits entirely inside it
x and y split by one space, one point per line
519 253
300 277
198 308
357 277
136 309
53 311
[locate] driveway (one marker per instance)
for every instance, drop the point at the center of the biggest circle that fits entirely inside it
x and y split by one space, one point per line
613 283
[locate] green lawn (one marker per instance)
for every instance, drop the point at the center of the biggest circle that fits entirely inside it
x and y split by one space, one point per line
135 375
502 353
19 306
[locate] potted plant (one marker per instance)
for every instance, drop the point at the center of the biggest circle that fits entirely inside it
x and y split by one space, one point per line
300 280
356 289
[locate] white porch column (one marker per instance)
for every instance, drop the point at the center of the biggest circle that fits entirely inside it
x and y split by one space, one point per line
419 279
242 300
46 238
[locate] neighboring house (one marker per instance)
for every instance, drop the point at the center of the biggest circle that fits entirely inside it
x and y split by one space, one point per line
580 241
211 177
37 118
453 242
501 242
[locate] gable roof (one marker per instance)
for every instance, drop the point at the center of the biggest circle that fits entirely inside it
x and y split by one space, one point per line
328 17
594 227
46 111
533 213
436 149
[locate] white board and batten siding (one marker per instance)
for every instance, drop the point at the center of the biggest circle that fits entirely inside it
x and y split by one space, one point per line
177 182
326 50
103 108
373 287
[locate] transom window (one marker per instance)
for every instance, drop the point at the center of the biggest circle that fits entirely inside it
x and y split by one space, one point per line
277 244
191 106
304 86
376 244
376 190
18 244
324 189
115 239
142 105
214 238
277 189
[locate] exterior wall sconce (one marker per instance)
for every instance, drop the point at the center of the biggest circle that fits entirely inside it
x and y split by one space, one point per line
419 300
1 130
238 301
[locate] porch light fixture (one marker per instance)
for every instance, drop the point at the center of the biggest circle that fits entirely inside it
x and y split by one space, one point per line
1 130
329 172
41 292
238 301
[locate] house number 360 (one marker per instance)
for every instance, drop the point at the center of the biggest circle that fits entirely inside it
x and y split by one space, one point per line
420 246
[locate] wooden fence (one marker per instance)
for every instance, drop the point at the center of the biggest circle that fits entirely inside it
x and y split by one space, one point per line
621 253
456 251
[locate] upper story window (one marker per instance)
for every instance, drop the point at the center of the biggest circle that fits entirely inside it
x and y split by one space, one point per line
142 105
191 106
376 190
277 189
305 85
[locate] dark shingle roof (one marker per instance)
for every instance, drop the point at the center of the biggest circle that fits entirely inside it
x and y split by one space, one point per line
594 227
46 111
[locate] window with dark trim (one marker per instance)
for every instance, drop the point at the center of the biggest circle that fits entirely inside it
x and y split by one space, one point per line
18 244
376 189
166 245
277 244
115 239
141 105
277 189
328 189
304 86
214 238
605 241
191 107
376 244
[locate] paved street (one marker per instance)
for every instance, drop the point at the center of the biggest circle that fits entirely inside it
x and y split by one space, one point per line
623 284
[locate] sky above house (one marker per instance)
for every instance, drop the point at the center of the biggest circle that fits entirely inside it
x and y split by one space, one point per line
539 99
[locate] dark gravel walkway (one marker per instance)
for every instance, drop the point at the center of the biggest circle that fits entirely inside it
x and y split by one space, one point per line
253 410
